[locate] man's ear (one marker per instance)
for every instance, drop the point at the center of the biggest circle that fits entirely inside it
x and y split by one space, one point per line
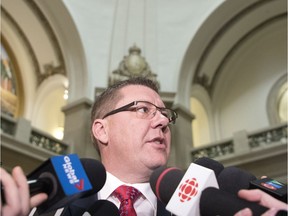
100 131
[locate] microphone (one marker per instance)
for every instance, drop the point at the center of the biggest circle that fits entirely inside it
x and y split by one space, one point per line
210 164
181 191
164 181
163 177
102 208
186 198
217 202
233 179
65 178
275 188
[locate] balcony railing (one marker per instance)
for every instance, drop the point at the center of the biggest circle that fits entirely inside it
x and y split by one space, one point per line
214 150
248 141
268 137
37 138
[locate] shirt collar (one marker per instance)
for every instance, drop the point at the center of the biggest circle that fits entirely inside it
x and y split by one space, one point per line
113 182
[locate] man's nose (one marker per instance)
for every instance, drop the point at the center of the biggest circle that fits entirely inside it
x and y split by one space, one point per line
159 119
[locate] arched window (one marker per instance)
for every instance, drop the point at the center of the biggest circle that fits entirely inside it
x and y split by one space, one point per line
282 103
200 125
277 102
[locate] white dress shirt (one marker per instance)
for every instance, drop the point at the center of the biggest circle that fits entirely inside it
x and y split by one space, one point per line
145 205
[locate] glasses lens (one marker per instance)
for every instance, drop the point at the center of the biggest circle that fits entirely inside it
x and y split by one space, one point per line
171 116
146 109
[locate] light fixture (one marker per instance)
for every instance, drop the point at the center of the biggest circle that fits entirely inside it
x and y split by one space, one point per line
58 133
65 96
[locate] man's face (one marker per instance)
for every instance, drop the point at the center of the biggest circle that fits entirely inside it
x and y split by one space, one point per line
135 144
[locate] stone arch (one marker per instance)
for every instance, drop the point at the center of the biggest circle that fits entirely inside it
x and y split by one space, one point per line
218 36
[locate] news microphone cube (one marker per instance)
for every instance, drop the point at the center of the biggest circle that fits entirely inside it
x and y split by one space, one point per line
186 198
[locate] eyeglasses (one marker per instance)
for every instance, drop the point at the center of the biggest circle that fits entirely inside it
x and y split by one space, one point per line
145 109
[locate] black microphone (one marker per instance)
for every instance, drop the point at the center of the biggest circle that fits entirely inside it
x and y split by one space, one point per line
164 181
233 179
209 163
65 179
102 208
217 202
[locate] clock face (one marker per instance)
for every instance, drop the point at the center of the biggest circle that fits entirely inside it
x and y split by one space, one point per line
135 64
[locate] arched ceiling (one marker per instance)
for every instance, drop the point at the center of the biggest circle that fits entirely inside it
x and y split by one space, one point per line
28 22
219 35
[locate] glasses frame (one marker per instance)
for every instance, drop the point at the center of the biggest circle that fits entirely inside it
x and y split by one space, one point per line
126 108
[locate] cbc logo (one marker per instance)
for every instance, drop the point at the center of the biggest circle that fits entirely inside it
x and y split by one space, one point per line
188 189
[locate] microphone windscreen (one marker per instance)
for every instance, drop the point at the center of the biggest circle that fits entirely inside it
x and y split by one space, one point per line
103 208
210 164
217 202
233 179
164 181
96 173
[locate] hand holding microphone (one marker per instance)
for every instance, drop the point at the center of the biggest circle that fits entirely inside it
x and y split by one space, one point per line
275 206
63 178
18 201
242 184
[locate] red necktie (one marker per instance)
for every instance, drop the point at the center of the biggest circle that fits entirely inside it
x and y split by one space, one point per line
127 196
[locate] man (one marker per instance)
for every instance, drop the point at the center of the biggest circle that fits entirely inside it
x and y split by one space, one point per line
130 131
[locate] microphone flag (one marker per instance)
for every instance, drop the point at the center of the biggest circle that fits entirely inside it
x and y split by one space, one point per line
71 174
186 198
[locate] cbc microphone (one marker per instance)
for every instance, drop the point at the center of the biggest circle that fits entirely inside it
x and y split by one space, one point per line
102 208
164 181
162 178
65 178
181 191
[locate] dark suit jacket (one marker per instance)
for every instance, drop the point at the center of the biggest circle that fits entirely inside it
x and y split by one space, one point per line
78 207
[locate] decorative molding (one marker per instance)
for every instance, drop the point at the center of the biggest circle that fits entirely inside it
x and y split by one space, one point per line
49 69
24 39
60 69
133 65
